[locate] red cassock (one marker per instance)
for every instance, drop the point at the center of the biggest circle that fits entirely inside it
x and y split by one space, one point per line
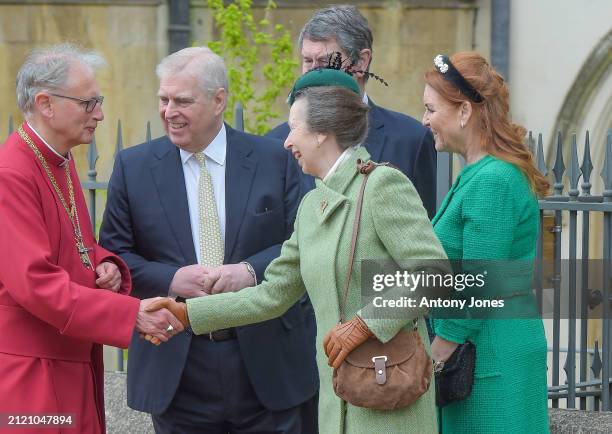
53 318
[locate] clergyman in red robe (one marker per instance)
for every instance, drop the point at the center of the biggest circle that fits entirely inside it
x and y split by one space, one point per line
61 295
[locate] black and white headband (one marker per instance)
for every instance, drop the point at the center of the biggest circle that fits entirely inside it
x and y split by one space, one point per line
450 73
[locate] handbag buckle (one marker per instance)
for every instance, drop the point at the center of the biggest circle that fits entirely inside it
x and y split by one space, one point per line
380 369
379 357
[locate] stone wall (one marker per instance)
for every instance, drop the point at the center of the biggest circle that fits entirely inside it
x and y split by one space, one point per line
407 35
132 35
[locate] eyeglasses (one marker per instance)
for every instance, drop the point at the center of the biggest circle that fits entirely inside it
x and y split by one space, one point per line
90 104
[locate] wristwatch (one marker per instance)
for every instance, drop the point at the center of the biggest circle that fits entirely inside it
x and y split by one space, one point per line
437 366
251 272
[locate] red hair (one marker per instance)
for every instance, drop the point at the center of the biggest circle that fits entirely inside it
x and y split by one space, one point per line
499 136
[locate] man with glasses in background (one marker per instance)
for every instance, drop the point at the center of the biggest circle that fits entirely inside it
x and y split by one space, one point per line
392 137
61 294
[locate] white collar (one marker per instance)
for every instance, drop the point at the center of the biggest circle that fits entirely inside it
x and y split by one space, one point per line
344 156
216 150
64 159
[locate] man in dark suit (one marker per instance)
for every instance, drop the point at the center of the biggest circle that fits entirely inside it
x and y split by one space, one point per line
393 137
204 210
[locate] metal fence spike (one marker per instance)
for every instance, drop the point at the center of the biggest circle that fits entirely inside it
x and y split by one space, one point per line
540 157
559 167
531 143
92 156
596 363
574 169
587 167
148 137
606 172
119 142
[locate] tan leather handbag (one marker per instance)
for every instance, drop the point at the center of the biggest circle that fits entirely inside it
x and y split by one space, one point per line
376 375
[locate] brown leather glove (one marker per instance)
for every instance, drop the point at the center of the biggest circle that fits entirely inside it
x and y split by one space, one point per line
179 310
344 338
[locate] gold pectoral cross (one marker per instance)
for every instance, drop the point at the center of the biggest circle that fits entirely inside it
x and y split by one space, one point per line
83 251
70 206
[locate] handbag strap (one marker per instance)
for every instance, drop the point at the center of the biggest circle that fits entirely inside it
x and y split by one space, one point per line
365 169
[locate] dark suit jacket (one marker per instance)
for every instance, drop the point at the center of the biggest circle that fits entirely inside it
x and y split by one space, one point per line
400 140
147 223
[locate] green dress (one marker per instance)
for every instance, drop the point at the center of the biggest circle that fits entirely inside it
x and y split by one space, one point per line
491 213
394 227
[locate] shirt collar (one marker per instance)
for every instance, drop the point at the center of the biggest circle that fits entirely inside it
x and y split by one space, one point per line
345 172
216 150
345 155
64 160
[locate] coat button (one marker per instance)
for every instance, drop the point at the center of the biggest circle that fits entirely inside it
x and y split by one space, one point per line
323 205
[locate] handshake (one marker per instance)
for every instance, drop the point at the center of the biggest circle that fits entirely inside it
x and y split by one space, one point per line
160 318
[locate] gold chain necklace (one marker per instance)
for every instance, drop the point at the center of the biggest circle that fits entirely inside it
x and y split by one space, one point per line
71 210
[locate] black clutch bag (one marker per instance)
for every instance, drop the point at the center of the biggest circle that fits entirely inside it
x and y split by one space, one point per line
455 378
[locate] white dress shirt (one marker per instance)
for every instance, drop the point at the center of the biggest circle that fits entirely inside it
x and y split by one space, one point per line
345 155
215 154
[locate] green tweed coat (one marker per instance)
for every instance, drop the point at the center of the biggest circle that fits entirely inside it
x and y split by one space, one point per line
394 226
491 213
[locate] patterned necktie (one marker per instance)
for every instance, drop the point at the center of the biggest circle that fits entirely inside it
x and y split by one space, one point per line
211 244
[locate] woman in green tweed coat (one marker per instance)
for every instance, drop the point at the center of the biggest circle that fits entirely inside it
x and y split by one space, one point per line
394 227
490 213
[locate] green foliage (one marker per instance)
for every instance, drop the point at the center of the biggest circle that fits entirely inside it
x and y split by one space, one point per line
243 43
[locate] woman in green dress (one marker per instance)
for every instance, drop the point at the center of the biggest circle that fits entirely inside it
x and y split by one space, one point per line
327 121
490 215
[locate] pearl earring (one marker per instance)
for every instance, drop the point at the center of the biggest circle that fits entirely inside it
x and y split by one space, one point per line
462 124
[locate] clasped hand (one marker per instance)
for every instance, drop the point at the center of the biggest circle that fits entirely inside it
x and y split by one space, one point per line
108 276
190 282
197 280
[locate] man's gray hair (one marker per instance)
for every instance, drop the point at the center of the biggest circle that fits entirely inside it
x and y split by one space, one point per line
342 23
208 67
46 69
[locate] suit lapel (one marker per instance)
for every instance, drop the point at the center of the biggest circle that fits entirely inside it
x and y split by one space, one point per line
167 172
241 164
375 140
